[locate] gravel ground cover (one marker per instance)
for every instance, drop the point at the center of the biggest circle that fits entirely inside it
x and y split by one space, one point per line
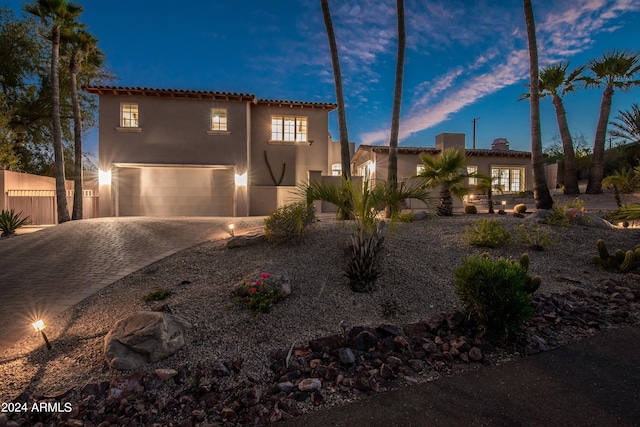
417 282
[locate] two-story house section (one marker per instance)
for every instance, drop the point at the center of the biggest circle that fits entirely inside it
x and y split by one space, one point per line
165 152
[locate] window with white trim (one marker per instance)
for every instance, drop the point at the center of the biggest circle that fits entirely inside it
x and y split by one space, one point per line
336 169
510 179
219 119
129 115
470 170
420 168
288 128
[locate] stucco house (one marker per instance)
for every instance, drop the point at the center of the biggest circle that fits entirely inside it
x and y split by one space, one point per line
199 153
512 167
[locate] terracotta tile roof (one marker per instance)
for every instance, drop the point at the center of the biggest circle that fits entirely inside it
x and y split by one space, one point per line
201 94
298 104
478 152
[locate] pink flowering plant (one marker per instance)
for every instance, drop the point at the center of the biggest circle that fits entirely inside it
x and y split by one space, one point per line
261 294
567 214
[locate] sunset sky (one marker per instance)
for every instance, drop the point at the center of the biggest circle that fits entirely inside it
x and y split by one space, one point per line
464 58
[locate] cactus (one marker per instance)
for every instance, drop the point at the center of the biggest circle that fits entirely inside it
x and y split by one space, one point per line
524 261
532 284
620 260
602 249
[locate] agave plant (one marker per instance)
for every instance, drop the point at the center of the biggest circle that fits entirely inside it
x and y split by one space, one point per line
11 221
362 205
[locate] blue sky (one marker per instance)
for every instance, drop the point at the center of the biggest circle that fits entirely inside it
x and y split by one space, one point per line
464 58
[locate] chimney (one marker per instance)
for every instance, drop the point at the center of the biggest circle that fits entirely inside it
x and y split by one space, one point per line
500 144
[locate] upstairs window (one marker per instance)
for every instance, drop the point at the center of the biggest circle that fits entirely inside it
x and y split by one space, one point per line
336 169
219 119
291 129
129 115
420 168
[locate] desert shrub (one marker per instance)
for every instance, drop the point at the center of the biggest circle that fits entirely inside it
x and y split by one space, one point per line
261 294
536 236
289 222
157 295
487 232
404 216
520 208
494 294
561 215
11 221
470 209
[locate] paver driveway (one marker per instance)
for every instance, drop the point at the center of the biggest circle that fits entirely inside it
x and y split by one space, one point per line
49 271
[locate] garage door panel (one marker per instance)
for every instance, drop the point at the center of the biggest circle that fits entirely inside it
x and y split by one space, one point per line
153 191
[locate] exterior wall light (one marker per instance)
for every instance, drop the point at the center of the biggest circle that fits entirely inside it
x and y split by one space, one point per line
39 326
104 177
241 180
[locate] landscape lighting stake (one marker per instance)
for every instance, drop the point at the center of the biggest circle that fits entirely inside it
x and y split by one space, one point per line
231 226
345 326
39 326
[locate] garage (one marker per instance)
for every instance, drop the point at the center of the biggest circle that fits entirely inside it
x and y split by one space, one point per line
174 191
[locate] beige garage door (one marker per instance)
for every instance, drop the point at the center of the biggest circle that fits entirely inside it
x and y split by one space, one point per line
180 191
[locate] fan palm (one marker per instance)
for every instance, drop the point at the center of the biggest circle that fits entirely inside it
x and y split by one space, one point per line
540 189
446 170
623 181
486 185
617 70
83 52
59 16
627 127
345 155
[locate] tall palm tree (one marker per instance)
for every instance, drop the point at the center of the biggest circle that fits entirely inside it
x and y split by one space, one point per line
615 70
58 15
555 82
392 177
345 155
540 189
627 127
83 50
446 170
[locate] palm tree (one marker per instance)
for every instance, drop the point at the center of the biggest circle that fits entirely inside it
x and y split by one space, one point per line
615 70
392 178
540 189
59 15
446 170
345 155
627 127
82 49
622 181
486 185
555 82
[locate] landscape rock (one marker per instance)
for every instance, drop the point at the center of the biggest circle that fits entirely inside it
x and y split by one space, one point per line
244 241
144 337
346 356
310 384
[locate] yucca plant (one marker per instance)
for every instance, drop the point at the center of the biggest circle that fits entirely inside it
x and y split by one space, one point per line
362 205
11 221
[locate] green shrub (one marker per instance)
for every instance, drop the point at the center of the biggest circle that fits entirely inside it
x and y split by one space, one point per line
536 236
520 208
487 232
157 295
495 295
404 216
561 215
261 294
11 221
289 223
470 209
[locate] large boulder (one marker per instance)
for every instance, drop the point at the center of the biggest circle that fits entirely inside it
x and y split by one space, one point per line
144 337
584 219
